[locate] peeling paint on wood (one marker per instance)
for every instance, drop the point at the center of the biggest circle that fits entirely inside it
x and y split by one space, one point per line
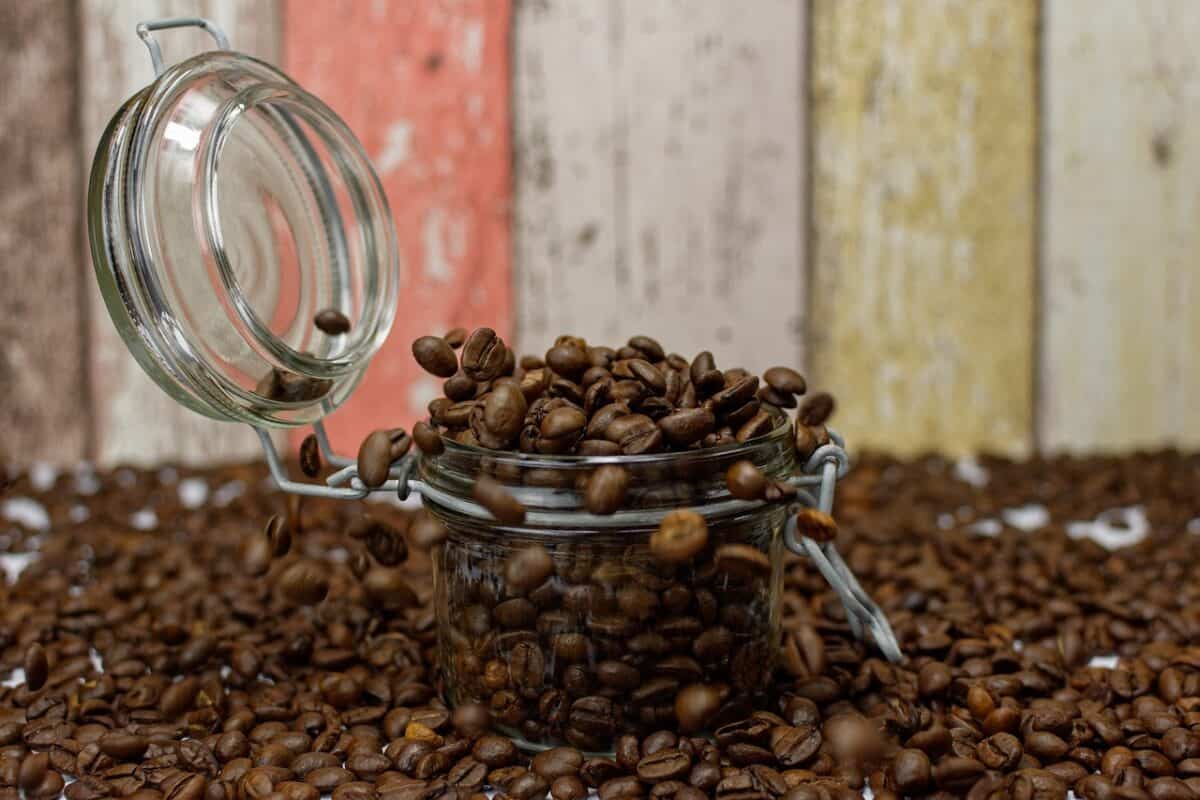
425 88
135 420
924 132
1121 284
659 183
44 411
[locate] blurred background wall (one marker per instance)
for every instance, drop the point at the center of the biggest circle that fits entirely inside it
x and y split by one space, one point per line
974 221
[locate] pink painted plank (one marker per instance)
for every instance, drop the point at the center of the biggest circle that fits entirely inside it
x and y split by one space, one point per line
425 87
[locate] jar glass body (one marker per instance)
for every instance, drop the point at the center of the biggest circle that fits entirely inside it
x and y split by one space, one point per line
600 639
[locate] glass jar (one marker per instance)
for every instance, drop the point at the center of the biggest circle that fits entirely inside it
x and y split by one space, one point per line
226 207
600 637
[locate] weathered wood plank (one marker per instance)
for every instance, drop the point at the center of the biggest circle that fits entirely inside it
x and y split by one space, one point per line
425 87
1121 280
657 198
135 420
924 126
44 411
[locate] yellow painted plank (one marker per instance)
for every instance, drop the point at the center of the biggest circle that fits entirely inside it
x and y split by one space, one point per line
924 125
1120 265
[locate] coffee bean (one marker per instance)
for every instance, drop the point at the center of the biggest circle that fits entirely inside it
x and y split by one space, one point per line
742 560
758 425
376 455
326 779
568 360
310 456
123 746
304 582
816 409
785 380
815 525
36 667
278 537
332 322
957 774
495 751
664 765
680 536
455 337
527 568
499 502
687 426
483 355
999 751
745 481
437 357
428 439
504 413
385 544
557 762
793 747
606 488
568 787
33 771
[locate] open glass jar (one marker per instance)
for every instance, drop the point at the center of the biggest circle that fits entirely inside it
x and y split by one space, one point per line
575 634
226 206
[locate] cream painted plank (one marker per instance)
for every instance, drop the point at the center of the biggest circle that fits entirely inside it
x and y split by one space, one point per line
44 412
659 180
924 126
135 420
713 253
1121 274
566 233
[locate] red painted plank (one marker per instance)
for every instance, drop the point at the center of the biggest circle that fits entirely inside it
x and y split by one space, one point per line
425 86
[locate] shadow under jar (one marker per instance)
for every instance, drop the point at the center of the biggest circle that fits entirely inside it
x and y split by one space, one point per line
576 632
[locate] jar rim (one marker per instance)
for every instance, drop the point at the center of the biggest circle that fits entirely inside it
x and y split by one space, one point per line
781 430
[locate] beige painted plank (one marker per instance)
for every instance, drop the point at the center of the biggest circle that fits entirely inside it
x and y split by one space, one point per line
1121 274
565 230
924 124
659 182
135 420
43 414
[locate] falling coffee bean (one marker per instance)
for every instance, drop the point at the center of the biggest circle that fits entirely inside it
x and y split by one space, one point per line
681 535
332 322
428 439
279 537
816 409
492 495
435 356
816 525
310 456
305 582
483 356
377 452
36 666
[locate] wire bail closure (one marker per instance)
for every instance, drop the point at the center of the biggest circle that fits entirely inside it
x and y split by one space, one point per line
145 33
821 473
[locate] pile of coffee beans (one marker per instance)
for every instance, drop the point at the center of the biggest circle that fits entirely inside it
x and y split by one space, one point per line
592 400
170 640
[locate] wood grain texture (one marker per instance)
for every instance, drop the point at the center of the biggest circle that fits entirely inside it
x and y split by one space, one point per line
44 412
659 184
924 126
425 88
1121 283
135 420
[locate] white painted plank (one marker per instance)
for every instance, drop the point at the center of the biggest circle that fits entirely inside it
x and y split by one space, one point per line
566 233
135 420
659 186
1121 274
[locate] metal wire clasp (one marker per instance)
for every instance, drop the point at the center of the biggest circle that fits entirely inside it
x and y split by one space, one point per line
821 472
145 33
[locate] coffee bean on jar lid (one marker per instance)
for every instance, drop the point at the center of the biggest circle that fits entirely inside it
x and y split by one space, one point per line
680 536
332 322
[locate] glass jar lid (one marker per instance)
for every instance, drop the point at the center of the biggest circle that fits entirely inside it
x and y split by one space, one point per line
226 208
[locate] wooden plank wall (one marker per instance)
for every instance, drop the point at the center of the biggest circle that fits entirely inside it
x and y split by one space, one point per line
972 221
923 175
659 178
1121 203
425 88
44 411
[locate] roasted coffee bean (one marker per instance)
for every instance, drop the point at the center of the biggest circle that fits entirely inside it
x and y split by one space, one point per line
664 765
606 488
957 774
279 538
483 355
680 536
36 667
310 456
304 582
437 357
557 762
816 525
123 746
745 481
495 751
816 409
332 322
385 544
785 380
377 453
1000 751
428 439
696 706
527 568
492 495
793 747
687 426
568 787
742 560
